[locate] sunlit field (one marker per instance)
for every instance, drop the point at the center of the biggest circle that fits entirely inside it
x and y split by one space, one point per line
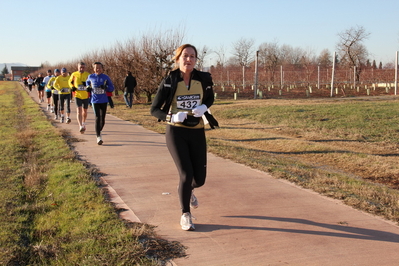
345 148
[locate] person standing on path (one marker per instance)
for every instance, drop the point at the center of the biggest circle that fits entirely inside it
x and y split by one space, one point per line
99 84
61 84
48 90
181 100
77 82
129 83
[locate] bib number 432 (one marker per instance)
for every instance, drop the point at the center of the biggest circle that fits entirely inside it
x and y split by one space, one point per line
188 102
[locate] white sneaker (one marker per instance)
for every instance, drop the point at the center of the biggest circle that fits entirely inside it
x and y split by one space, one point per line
52 109
99 140
62 119
68 120
186 223
48 107
82 129
193 201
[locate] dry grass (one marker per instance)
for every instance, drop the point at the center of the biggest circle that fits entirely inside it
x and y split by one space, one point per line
372 160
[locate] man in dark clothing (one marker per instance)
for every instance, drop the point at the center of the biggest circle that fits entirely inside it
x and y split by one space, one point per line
129 84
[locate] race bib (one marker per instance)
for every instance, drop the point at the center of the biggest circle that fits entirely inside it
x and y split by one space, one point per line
65 90
81 88
188 102
98 91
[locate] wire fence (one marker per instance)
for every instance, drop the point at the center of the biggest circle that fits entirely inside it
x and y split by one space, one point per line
312 82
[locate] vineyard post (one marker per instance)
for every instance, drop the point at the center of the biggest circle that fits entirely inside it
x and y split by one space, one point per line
256 74
396 72
318 76
354 76
332 74
243 77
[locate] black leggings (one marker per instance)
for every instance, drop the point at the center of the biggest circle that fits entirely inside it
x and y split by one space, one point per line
55 101
100 110
188 149
65 99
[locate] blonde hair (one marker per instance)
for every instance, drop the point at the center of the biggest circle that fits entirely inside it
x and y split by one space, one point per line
179 51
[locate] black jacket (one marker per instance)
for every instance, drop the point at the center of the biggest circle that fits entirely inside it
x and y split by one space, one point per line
167 89
130 83
39 82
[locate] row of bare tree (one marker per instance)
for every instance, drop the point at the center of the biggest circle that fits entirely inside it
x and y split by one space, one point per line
150 58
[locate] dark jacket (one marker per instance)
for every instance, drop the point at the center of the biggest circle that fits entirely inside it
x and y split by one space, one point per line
167 89
39 82
130 83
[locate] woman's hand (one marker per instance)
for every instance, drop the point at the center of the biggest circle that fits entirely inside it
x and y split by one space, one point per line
179 117
199 110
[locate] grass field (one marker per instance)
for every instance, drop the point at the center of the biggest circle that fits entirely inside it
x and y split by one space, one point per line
53 211
345 148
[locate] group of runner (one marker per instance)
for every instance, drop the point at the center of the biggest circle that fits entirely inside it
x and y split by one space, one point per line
182 101
29 82
87 89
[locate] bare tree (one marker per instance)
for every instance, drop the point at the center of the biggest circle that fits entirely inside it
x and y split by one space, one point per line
221 62
202 53
221 56
156 59
308 62
325 58
292 55
352 51
244 52
299 54
270 58
113 66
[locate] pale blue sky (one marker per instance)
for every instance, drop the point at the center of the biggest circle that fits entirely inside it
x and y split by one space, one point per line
33 32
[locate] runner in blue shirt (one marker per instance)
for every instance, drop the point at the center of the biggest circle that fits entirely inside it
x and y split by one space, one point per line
99 84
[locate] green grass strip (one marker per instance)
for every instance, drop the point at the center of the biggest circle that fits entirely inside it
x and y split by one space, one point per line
54 211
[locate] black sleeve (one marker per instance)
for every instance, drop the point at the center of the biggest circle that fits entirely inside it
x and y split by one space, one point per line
159 102
207 84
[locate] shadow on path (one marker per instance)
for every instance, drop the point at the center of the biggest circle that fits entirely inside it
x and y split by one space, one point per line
344 230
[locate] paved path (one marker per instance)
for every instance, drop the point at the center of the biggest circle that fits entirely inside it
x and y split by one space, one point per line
246 217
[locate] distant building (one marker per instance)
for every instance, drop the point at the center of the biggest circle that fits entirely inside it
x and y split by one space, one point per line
17 72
